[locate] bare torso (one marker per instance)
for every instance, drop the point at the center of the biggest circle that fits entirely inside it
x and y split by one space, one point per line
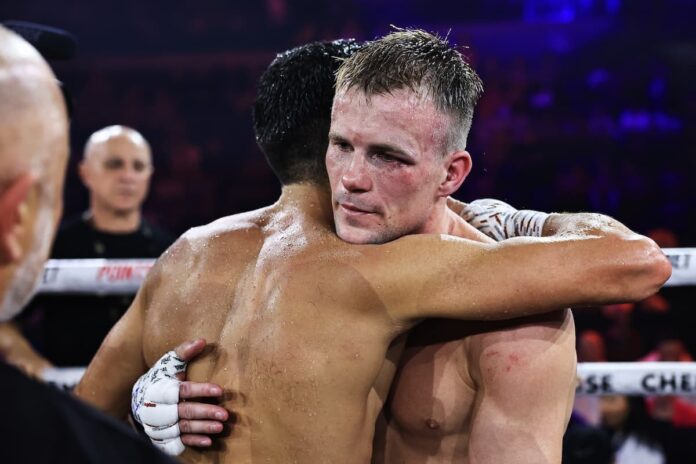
300 340
436 414
437 393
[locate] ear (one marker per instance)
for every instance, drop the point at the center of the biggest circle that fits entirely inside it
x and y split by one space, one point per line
458 167
83 172
11 201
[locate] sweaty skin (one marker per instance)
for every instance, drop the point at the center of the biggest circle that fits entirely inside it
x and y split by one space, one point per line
468 391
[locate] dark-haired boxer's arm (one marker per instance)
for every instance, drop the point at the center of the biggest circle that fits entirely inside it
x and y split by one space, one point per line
499 220
423 276
526 382
108 380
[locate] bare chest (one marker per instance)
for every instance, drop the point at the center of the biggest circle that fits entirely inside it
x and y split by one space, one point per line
433 394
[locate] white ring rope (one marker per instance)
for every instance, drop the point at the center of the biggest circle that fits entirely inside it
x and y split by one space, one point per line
94 276
630 378
637 378
124 276
683 266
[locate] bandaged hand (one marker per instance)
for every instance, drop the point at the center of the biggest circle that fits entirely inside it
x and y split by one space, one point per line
501 221
157 403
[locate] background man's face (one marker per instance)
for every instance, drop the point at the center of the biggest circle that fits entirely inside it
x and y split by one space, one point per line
385 164
117 173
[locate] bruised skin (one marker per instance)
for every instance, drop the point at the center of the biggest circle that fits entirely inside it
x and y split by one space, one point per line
433 414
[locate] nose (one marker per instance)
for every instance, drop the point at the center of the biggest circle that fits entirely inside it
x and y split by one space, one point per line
356 177
128 174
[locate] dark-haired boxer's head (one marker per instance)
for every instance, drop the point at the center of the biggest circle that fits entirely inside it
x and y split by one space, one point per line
293 109
33 156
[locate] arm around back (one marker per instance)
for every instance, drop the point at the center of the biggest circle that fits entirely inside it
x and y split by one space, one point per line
440 276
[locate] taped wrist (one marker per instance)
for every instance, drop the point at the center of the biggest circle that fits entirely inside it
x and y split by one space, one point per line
155 403
501 221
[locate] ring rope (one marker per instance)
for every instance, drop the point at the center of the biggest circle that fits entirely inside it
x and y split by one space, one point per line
94 276
608 378
124 276
637 378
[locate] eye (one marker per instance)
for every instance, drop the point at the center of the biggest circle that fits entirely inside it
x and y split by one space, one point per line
113 164
139 166
388 158
342 145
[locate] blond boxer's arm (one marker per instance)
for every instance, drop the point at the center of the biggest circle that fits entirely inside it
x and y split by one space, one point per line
441 276
526 382
108 382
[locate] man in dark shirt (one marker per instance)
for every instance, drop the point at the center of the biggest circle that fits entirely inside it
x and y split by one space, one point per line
68 329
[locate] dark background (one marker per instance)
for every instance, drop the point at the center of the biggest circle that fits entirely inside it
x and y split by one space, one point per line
589 104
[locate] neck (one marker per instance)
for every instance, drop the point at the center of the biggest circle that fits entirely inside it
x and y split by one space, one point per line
445 221
308 199
442 220
110 220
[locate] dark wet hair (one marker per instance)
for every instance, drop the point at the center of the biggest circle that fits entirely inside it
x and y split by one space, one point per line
292 112
424 63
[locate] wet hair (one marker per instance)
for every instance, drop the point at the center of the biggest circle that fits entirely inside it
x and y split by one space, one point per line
423 63
292 112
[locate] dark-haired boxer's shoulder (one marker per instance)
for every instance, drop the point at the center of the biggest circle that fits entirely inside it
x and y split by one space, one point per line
41 424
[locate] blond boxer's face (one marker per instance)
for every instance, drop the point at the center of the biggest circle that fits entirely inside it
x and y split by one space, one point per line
386 164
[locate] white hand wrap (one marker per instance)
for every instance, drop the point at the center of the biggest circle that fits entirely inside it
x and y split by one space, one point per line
501 221
155 403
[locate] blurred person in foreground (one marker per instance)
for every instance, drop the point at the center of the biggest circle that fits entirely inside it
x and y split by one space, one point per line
39 423
116 170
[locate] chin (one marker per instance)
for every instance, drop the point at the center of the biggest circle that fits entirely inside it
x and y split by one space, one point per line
353 235
360 236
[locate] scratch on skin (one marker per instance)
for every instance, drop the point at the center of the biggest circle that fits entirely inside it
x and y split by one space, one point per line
514 361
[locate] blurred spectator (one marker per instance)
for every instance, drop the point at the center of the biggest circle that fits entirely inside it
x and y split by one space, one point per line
679 411
68 329
591 347
586 445
631 430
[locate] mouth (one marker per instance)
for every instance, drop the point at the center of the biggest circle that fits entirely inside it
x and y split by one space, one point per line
353 210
